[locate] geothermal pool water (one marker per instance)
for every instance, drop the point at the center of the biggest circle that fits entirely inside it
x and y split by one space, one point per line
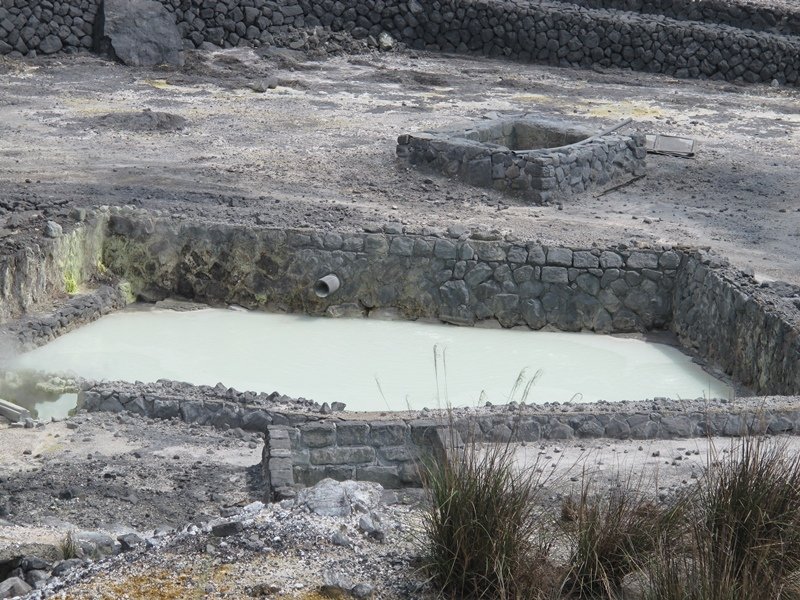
370 364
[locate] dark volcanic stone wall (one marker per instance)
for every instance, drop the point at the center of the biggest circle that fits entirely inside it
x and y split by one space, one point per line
46 26
567 35
751 331
454 279
558 34
480 156
726 12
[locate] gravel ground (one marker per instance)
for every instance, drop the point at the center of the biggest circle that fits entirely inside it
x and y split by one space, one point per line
283 547
104 475
277 139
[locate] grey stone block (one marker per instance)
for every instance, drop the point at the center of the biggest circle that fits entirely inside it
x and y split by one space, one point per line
387 433
394 454
536 254
478 274
560 431
318 435
670 260
342 456
555 275
588 283
584 260
466 252
376 244
559 257
677 426
517 255
445 249
505 308
352 434
646 430
166 409
388 477
617 429
308 476
591 429
454 293
780 424
402 246
642 260
490 251
610 259
340 472
533 313
256 420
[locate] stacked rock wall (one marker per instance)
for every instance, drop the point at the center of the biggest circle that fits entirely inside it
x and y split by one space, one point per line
480 156
219 406
783 20
32 331
305 443
552 33
385 451
455 280
390 451
46 26
749 330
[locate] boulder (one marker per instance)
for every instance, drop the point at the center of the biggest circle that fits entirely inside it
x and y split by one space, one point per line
331 498
13 587
139 33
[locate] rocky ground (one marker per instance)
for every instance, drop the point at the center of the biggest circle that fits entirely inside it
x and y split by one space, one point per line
168 510
304 137
160 488
283 137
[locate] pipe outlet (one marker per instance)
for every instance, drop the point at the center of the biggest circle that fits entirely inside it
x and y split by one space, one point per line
326 286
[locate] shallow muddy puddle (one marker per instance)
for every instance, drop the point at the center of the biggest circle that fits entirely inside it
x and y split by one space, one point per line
370 364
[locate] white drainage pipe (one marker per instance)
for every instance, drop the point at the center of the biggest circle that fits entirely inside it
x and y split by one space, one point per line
326 286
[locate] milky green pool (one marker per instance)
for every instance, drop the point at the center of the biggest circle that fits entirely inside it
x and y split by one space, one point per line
370 364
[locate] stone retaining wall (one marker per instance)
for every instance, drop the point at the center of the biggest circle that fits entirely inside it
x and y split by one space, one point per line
556 34
305 442
218 405
453 279
314 426
390 451
750 330
36 330
488 154
47 268
783 20
384 451
46 26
